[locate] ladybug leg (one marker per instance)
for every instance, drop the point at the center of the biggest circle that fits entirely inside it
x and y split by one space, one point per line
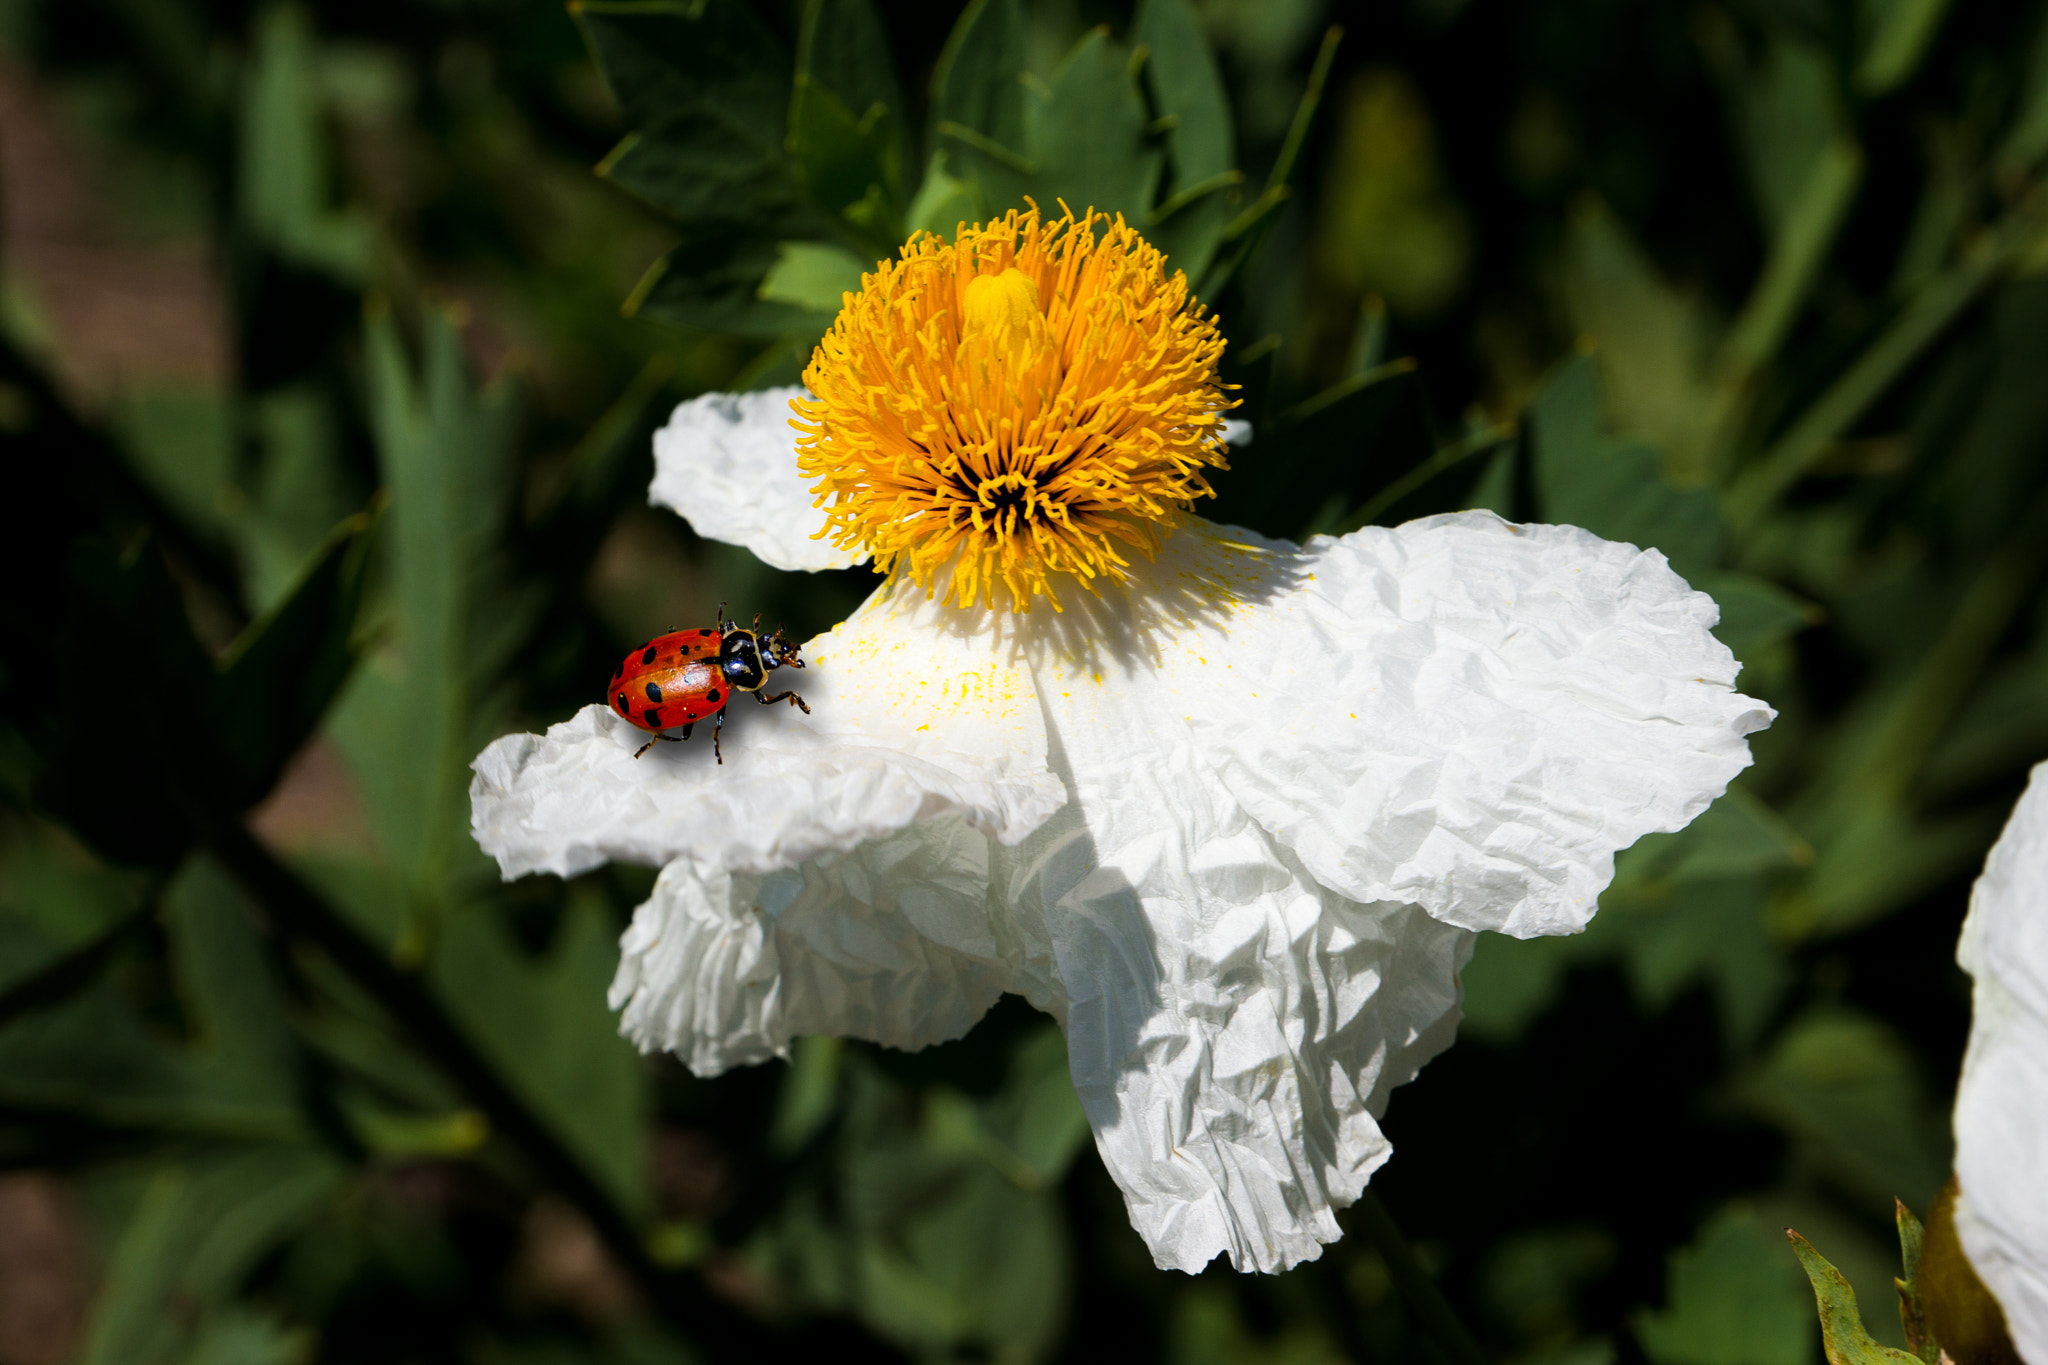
793 699
686 732
717 724
673 739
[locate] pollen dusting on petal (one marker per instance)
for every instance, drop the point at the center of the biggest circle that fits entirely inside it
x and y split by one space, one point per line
1032 399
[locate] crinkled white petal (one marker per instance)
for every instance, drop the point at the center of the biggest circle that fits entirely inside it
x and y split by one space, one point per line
905 724
1462 713
727 463
2001 1118
889 942
1233 1028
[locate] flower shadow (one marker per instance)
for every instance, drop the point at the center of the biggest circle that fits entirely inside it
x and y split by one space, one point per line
1203 577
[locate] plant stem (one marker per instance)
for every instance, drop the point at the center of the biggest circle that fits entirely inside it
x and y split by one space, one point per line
1412 1281
1929 313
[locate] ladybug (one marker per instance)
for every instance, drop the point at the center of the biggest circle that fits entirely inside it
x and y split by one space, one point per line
679 678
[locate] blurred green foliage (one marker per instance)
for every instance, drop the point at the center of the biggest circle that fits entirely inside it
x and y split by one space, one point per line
314 335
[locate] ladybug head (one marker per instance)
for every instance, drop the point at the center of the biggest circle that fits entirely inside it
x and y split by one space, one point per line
777 652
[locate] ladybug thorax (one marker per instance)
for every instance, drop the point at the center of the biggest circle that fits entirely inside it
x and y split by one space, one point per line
739 658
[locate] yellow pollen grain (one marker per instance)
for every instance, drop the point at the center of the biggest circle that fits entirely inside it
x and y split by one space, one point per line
1028 401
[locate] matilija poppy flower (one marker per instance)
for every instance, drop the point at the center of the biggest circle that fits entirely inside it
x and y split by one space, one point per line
1230 809
2001 1118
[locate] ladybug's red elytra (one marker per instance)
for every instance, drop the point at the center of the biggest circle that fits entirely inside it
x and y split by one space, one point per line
677 679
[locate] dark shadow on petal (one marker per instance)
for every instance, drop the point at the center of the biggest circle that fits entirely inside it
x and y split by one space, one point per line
1202 576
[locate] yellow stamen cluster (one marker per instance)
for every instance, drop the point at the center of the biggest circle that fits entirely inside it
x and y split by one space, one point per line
1025 401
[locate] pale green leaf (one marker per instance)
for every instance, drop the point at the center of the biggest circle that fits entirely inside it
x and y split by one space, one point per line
813 276
1841 1326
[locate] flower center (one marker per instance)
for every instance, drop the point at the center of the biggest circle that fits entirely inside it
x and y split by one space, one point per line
1029 400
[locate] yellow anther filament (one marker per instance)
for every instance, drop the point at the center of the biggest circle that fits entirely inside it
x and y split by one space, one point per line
1027 401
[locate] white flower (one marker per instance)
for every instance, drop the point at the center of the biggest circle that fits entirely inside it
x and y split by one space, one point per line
1231 816
2001 1116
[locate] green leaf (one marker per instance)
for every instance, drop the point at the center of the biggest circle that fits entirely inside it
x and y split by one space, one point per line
1841 1326
1187 93
1685 908
1510 982
240 721
244 1052
849 165
1031 1130
239 1337
92 1054
278 679
944 1231
712 283
1612 487
986 1263
284 167
1088 136
1036 1115
809 1095
705 88
842 45
944 201
978 83
300 489
419 709
1084 141
1847 1089
545 1024
813 276
1800 247
57 900
1651 342
1737 836
1899 34
847 121
194 1236
182 445
1188 89
1730 1299
1874 854
1757 616
1804 167
2027 136
1912 1309
1788 111
1711 931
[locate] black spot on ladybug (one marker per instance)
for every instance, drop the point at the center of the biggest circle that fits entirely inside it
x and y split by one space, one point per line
648 657
651 718
712 696
621 702
654 692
